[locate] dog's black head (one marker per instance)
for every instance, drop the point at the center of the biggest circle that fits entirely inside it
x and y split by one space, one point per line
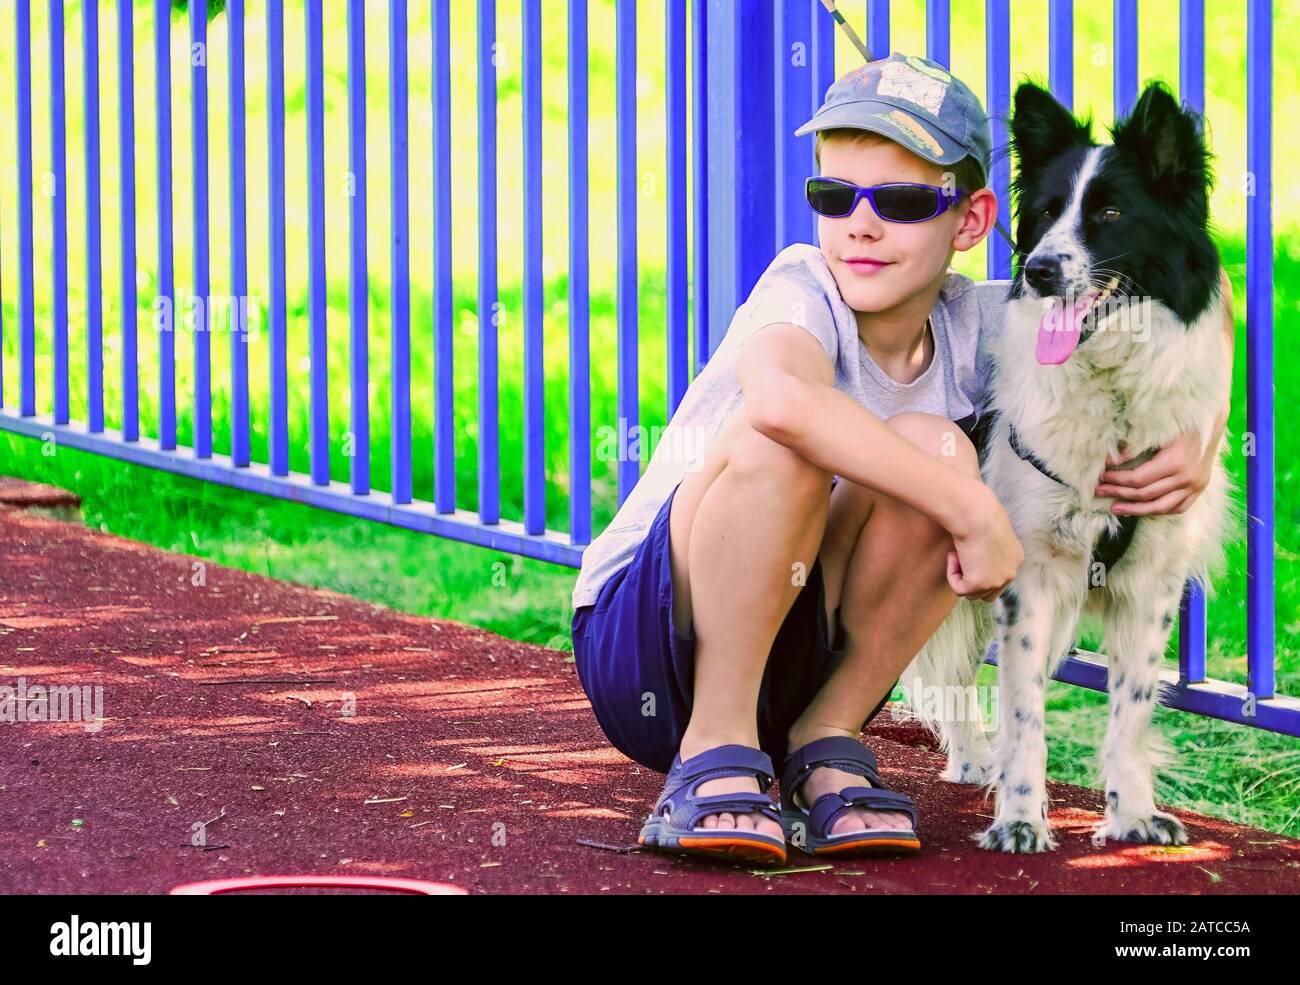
1115 223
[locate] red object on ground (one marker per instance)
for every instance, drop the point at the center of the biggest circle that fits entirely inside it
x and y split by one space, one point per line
415 748
419 887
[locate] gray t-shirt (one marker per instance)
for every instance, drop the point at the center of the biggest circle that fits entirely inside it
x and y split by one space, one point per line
798 287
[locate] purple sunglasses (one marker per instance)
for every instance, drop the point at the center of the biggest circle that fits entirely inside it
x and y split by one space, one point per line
900 201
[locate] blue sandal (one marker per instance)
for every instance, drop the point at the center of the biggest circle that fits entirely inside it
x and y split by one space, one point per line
842 753
677 831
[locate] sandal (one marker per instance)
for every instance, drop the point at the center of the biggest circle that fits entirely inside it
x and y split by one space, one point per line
850 755
677 831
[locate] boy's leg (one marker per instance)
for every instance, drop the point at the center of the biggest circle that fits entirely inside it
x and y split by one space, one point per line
884 565
737 527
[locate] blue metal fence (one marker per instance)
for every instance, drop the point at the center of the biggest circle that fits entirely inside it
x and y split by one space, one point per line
739 72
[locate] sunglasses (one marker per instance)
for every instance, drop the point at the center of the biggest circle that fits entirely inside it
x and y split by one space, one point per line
901 201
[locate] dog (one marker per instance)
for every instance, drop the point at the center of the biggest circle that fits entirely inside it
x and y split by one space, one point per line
1110 236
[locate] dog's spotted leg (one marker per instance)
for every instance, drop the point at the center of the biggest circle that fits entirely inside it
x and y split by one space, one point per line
965 727
1139 621
970 758
1029 614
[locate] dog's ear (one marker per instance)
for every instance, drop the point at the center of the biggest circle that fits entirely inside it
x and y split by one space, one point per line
1166 140
1041 128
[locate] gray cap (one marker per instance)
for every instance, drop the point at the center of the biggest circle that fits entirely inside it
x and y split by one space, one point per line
913 101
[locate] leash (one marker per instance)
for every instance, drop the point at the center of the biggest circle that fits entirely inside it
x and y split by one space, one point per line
1025 454
1113 543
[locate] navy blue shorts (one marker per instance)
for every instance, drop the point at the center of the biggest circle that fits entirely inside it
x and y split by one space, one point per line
639 674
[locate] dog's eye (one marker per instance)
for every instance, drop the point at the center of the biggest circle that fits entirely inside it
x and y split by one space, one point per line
1111 214
1047 213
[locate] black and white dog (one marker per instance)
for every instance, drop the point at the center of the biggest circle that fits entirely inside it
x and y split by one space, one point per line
1114 342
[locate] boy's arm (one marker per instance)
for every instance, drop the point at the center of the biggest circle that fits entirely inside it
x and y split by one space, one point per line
788 386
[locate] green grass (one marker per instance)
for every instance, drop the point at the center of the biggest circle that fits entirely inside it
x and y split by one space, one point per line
1230 771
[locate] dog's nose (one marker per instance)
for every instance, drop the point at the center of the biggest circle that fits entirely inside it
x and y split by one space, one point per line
1044 274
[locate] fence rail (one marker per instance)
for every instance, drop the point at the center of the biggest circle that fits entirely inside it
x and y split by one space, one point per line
725 59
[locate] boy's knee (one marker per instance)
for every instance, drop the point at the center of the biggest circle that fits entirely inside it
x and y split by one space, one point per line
924 535
754 454
939 437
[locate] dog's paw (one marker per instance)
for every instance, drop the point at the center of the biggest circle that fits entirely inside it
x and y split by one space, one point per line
975 773
1021 837
1156 828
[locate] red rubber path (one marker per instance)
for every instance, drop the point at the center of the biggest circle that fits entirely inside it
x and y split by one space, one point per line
469 759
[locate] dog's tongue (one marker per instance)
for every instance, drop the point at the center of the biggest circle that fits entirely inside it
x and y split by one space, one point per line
1059 330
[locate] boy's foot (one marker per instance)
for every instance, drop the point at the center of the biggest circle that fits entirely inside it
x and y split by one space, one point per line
750 821
826 779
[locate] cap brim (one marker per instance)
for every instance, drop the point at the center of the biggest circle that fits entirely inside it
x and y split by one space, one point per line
858 116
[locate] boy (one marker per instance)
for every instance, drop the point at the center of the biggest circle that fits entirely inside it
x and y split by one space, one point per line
754 602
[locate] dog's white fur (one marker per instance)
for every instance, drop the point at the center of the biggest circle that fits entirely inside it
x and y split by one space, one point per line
1142 389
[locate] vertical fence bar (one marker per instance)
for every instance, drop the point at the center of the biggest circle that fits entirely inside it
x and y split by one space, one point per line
824 75
59 210
938 22
1191 87
199 169
126 177
579 291
998 41
741 156
793 71
1191 51
278 428
26 276
878 29
1126 56
1259 351
401 261
166 317
700 171
534 286
489 509
320 439
359 264
677 300
1191 633
755 83
444 438
239 441
722 132
1060 45
629 466
94 270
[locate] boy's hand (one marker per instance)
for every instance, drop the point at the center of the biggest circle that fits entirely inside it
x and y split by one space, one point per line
988 555
1169 483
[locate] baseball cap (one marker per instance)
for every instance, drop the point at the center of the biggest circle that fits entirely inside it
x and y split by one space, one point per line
915 102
